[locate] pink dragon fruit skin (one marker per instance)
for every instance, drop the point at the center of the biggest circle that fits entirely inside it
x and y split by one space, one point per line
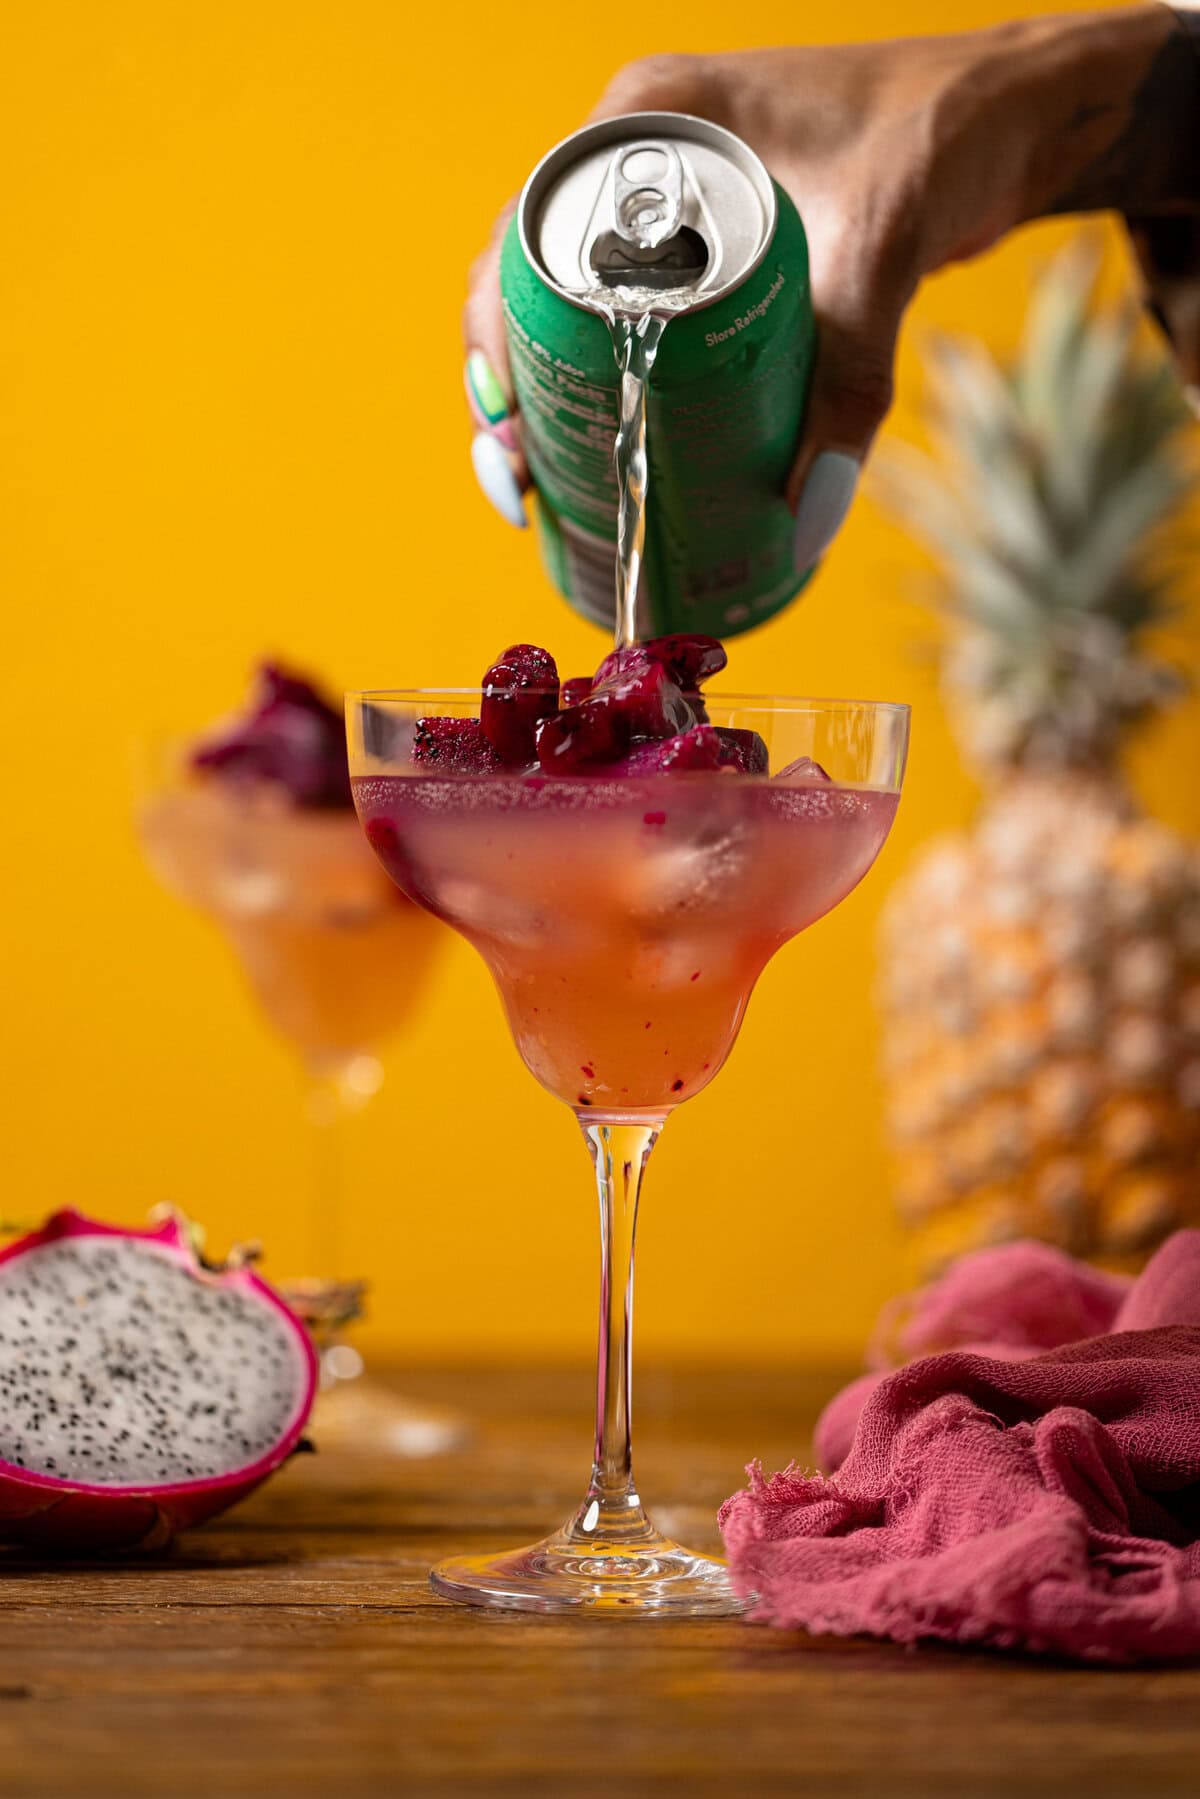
74 1515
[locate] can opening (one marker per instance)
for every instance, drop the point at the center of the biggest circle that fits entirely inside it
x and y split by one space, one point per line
673 210
678 262
647 244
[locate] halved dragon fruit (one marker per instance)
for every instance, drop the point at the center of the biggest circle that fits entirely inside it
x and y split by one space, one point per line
140 1392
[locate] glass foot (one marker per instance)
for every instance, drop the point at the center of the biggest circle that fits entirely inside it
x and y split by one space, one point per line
657 1578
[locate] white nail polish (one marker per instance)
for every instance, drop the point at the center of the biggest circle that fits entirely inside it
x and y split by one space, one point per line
824 503
493 471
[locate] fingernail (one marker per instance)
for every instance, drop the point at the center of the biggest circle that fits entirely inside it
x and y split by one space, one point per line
824 502
493 471
488 400
484 390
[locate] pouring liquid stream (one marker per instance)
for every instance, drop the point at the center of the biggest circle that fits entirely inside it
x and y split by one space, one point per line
636 318
663 261
635 344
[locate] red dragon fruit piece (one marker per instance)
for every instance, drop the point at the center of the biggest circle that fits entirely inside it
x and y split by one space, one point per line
698 750
614 662
744 750
140 1391
650 699
454 746
519 691
643 688
689 659
290 736
598 731
636 700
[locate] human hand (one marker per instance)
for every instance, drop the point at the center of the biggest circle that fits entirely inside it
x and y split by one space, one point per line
901 157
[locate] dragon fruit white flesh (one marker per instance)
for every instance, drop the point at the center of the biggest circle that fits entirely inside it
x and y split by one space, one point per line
140 1392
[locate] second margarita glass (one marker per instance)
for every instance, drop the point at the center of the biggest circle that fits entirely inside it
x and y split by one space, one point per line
625 922
270 850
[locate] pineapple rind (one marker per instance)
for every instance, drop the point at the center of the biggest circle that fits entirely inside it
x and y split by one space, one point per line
1041 996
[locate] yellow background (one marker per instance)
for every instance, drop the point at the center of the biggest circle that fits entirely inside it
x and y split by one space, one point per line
234 245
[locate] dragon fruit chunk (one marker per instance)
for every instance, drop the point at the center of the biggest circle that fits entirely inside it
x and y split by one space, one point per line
454 746
643 688
744 750
140 1392
651 699
698 750
686 661
688 658
290 736
804 769
519 691
595 732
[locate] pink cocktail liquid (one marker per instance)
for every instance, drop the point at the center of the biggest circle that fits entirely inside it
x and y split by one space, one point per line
625 922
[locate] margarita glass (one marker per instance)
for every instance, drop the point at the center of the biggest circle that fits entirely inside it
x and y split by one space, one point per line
625 920
336 959
334 956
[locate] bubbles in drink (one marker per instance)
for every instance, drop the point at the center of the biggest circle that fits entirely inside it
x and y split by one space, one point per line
625 921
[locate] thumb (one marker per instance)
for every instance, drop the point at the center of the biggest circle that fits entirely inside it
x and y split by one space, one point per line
850 397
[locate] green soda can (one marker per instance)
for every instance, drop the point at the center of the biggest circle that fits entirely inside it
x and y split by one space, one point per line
674 216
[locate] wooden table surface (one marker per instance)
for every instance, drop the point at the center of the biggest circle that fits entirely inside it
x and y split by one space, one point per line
294 1648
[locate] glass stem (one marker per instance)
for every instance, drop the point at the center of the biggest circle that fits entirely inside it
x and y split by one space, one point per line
612 1509
327 1114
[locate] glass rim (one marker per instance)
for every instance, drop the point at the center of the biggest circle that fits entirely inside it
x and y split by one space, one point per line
760 702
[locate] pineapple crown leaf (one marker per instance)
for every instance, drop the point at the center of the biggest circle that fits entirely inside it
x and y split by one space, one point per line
1043 500
1053 327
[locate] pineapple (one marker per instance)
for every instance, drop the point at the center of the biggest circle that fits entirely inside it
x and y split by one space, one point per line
1041 973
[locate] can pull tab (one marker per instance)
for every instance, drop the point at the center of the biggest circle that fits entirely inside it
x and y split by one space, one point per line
647 193
647 246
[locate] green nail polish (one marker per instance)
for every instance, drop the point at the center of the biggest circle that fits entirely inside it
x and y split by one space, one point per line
485 388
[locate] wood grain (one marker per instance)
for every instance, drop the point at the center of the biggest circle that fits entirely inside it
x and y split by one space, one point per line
295 1647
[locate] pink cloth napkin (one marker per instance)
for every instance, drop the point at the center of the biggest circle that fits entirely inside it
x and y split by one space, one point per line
1034 1484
